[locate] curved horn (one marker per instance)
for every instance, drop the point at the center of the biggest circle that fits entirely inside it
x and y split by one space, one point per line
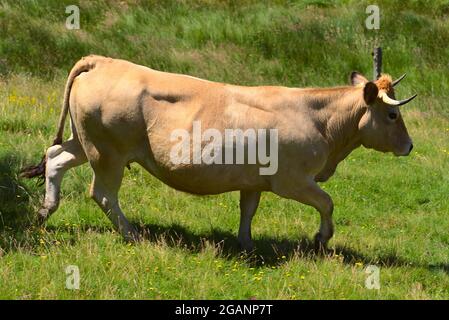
385 98
395 82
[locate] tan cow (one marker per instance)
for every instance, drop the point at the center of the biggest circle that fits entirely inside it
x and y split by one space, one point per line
122 113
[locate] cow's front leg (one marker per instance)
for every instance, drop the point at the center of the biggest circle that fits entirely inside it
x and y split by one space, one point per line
314 196
249 201
311 194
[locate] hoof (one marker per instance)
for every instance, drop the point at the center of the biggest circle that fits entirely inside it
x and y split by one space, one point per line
132 236
42 215
320 244
247 246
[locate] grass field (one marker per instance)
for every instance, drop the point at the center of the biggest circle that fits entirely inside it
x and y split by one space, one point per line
389 212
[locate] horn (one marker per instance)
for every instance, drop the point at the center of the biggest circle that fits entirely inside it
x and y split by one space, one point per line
385 98
395 82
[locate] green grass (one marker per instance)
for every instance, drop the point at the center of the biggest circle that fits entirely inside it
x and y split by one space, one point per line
390 212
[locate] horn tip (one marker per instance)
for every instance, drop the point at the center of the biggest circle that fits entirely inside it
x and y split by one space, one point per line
395 82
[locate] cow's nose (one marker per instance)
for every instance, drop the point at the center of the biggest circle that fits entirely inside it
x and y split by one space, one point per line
411 147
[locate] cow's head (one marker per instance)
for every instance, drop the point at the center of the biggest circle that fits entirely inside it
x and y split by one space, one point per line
382 127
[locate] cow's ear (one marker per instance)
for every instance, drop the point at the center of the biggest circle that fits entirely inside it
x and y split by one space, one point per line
357 78
370 92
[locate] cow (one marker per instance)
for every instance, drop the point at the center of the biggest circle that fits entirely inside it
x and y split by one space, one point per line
121 113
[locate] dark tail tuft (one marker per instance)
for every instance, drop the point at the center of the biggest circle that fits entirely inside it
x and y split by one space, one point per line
37 171
58 140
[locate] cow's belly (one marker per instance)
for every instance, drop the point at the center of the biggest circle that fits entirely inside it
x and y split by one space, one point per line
215 179
199 177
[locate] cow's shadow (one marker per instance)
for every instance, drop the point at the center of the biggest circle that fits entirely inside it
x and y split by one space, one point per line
269 251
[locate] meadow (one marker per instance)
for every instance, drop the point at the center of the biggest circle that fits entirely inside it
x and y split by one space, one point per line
389 212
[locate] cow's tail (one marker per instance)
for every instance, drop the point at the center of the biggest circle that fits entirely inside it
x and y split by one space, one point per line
83 65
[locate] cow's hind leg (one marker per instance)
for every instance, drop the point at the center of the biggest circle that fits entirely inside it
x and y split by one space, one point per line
59 159
104 190
249 201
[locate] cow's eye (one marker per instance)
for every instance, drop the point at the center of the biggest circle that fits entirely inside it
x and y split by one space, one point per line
393 115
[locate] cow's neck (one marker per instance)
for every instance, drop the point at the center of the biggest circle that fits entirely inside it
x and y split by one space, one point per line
338 118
